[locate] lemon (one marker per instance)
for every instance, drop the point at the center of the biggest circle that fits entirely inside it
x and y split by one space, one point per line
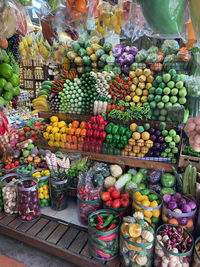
154 204
147 213
146 203
40 190
41 196
21 46
156 213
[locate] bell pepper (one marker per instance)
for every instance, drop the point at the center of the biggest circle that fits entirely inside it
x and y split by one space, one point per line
85 147
96 134
100 119
115 129
122 130
90 133
110 150
98 148
102 135
117 151
128 134
93 119
46 135
99 142
92 147
111 227
109 138
104 149
124 140
89 126
101 127
94 126
108 128
63 138
116 139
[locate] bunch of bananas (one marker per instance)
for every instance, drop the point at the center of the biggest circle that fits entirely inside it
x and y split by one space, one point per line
40 104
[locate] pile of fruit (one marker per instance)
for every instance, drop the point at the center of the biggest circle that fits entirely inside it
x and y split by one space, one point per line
168 91
32 130
40 103
149 204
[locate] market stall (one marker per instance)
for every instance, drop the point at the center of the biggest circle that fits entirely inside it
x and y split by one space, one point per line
100 130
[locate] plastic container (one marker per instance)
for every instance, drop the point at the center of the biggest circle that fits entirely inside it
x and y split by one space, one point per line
1 197
7 171
43 188
136 251
85 208
165 257
28 201
151 214
185 220
103 245
9 189
58 192
123 212
196 257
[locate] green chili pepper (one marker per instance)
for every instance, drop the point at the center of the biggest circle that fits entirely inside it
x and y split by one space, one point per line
108 220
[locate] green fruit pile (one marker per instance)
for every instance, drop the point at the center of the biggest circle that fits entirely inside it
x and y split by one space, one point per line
168 91
88 56
9 81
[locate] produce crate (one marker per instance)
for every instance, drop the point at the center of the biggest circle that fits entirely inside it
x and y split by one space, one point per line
184 160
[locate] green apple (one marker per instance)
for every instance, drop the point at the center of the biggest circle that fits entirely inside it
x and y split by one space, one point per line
174 91
176 105
175 150
163 154
172 144
183 77
169 104
179 85
176 139
176 78
166 90
182 100
160 105
164 132
165 98
182 92
168 139
172 72
173 161
172 133
171 84
168 150
163 112
173 99
166 77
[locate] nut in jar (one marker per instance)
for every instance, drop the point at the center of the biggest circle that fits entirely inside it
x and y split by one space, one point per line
9 190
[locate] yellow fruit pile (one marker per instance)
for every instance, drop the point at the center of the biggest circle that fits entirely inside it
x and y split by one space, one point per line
150 213
56 132
142 82
40 104
41 174
139 144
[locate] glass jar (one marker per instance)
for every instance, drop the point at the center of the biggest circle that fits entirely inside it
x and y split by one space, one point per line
123 212
1 197
103 245
166 257
185 220
58 192
9 189
42 177
28 201
85 208
149 203
136 244
196 257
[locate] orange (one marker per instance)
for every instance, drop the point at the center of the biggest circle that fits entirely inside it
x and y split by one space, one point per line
133 127
145 136
136 136
173 221
81 5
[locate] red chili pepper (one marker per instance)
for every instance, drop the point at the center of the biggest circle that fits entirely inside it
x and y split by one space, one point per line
111 227
99 226
101 253
108 237
100 219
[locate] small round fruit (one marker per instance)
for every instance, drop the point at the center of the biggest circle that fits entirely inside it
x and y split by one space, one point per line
145 136
182 100
177 139
174 91
160 105
166 90
172 133
168 139
175 150
164 132
136 136
172 144
165 98
173 99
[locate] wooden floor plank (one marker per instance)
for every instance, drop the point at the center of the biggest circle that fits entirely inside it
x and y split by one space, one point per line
79 242
37 226
85 251
57 233
6 220
2 214
25 226
47 230
14 224
114 263
68 237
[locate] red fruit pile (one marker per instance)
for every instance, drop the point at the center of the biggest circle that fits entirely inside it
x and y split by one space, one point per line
113 198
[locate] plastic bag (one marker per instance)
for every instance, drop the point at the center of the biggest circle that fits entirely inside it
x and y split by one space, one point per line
195 16
8 22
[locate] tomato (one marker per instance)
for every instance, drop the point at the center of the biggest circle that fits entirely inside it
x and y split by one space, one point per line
115 194
116 203
110 189
109 203
7 167
124 202
12 165
125 195
105 196
16 163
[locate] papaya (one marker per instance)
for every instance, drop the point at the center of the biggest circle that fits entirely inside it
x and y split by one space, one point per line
47 83
46 87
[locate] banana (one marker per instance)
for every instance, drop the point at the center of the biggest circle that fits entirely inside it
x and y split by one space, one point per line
39 99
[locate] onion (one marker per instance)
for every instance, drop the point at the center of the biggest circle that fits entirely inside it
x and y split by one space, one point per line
172 205
177 211
182 202
183 221
177 196
118 50
167 198
192 205
186 208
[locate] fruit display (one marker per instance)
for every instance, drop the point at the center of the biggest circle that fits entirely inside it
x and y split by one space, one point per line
11 166
149 203
75 136
168 91
25 171
179 210
140 89
114 200
58 191
196 257
28 201
103 229
40 103
173 245
96 134
136 241
41 177
9 190
31 130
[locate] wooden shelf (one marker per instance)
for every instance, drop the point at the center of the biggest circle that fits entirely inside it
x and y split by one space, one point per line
78 117
131 162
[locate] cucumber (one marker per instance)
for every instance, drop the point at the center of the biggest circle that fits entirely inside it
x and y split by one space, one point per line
49 83
187 173
179 181
193 180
